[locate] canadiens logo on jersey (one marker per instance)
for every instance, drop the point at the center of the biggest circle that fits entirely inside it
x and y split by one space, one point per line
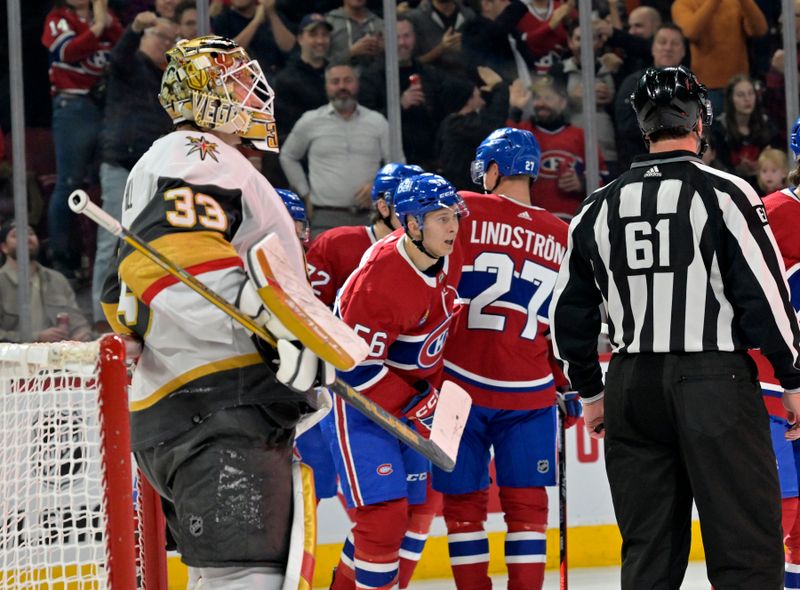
202 146
422 351
554 162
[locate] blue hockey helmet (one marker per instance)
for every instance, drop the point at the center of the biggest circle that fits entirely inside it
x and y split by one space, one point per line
515 151
794 139
423 193
297 210
388 177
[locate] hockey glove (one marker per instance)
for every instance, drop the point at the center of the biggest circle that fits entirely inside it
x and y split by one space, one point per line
421 408
299 368
569 406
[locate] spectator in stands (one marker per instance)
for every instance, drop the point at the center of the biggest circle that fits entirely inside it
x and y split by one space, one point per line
743 130
345 144
258 27
78 34
357 34
544 30
635 44
166 8
134 81
186 18
717 31
668 50
568 74
773 168
422 97
55 314
300 86
463 130
775 94
438 24
492 39
561 184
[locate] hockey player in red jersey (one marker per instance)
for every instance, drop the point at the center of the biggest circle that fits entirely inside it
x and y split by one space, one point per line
500 353
783 212
402 301
335 253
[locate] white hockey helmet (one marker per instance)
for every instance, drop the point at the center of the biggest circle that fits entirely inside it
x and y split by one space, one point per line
212 82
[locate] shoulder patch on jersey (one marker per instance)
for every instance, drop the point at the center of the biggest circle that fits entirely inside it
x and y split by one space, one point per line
202 146
653 172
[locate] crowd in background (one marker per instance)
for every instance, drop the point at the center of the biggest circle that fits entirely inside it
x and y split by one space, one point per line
466 67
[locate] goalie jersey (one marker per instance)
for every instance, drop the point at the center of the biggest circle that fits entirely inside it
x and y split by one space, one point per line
404 315
783 212
201 204
500 351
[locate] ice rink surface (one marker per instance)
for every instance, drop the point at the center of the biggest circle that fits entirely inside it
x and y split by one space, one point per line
604 578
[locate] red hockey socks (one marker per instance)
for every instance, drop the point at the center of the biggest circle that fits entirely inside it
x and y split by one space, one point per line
791 539
419 525
525 547
370 558
467 542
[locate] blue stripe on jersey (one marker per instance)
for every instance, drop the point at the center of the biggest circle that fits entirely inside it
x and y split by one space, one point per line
526 547
467 548
474 282
55 49
771 392
348 549
374 579
413 545
361 375
494 387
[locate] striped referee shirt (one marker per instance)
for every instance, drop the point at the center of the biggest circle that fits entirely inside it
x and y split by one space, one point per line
682 259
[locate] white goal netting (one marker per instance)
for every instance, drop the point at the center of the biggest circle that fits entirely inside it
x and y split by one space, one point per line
54 522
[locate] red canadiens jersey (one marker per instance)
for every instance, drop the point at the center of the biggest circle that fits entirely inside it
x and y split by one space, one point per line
404 315
77 58
334 255
546 44
783 212
562 149
500 350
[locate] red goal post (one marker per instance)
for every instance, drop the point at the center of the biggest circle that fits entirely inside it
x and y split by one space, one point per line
72 515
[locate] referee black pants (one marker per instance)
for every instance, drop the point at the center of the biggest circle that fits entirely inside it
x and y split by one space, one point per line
692 426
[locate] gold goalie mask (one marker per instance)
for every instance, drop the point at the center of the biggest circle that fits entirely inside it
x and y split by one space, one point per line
212 82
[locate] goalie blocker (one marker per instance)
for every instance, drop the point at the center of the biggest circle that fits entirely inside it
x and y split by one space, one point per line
454 403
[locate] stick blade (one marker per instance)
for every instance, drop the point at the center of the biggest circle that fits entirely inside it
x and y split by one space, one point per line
289 296
450 420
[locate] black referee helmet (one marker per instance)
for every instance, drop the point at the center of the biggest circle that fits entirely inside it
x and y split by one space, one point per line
670 98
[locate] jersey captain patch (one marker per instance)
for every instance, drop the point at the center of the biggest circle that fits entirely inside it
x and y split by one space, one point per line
202 146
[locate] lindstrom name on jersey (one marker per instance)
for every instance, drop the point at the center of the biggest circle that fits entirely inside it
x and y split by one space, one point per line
499 352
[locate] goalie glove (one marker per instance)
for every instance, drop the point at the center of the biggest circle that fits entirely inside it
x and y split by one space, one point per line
422 407
570 407
299 368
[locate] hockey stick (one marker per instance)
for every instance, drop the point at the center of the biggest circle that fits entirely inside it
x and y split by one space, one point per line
448 425
562 499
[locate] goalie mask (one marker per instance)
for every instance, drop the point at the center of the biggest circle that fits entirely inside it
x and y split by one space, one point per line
211 82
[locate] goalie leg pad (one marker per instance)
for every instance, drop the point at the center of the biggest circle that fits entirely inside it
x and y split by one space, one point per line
303 539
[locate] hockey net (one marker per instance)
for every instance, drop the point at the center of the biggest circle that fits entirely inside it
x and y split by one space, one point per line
72 516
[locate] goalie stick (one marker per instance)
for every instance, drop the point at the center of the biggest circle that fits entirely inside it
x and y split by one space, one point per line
454 403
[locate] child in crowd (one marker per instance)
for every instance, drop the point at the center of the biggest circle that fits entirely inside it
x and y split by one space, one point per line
773 167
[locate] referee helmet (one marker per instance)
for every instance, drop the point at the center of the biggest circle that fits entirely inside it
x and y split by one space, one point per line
670 98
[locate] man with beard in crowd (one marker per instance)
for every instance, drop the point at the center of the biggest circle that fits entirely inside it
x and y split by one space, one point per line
55 314
345 144
561 185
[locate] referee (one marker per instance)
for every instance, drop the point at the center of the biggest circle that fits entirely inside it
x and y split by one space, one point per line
683 261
